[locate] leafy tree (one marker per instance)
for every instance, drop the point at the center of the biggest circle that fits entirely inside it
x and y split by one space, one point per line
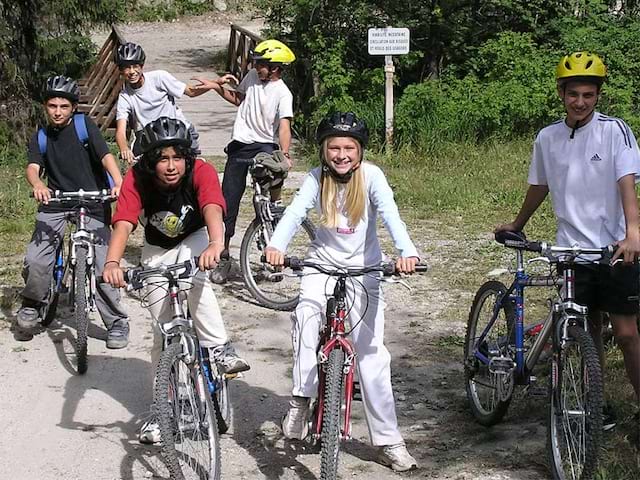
38 38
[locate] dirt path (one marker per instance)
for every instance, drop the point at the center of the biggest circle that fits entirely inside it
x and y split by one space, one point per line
58 425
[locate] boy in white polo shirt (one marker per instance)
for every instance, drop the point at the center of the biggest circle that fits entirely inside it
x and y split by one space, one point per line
590 163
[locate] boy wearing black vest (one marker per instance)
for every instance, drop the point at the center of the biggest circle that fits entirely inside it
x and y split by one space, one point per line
70 164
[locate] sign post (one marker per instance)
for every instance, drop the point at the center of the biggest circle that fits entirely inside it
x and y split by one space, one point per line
388 41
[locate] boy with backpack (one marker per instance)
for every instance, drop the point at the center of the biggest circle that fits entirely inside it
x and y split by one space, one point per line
73 154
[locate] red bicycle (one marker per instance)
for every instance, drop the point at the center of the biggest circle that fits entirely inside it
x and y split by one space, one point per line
330 421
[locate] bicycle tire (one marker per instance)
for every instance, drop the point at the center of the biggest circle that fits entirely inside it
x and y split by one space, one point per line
479 380
81 308
576 386
190 445
281 294
222 405
331 417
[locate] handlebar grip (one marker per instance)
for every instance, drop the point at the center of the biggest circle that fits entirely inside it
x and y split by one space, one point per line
534 247
422 267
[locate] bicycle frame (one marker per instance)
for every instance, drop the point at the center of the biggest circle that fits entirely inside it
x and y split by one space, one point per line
562 314
334 336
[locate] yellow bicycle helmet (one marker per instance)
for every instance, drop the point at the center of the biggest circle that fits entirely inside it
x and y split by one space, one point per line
273 52
585 65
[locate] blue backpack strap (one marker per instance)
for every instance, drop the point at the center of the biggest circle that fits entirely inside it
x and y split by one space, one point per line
80 124
42 142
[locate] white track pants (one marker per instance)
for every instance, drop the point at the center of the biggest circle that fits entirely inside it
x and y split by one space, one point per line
201 299
373 359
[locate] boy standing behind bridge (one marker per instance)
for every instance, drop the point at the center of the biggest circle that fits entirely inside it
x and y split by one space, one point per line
263 124
147 97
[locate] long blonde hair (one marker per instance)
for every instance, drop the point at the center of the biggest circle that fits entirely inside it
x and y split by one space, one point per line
354 193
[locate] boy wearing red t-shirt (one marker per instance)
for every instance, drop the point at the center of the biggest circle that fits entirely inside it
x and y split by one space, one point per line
183 207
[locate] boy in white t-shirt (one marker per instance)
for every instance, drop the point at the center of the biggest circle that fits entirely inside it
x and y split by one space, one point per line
590 163
146 97
263 124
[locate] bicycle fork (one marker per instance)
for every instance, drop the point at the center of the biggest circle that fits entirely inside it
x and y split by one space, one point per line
338 341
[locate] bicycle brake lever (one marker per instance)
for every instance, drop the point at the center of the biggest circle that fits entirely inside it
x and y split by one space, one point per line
539 259
399 280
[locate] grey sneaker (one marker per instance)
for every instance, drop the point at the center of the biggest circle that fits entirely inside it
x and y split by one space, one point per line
227 359
295 424
397 457
118 335
149 432
28 317
221 273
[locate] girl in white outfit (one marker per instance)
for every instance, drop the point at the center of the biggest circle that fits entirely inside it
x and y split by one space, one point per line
348 194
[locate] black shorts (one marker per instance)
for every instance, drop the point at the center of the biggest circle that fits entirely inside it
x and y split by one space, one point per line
608 289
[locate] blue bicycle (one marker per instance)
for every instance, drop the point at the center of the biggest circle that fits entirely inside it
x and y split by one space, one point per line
497 358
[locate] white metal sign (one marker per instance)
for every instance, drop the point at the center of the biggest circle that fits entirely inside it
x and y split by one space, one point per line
388 41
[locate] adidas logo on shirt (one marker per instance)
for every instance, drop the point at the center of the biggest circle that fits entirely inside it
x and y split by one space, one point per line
596 158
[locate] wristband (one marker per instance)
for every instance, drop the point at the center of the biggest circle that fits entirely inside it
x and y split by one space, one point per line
111 261
213 242
286 154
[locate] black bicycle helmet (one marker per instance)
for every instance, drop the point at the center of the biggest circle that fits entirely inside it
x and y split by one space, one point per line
129 54
340 124
61 86
164 132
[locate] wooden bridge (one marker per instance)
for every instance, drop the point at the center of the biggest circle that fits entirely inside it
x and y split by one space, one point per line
212 116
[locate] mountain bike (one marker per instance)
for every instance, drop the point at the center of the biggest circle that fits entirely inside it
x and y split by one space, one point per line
271 287
190 393
80 267
331 418
497 358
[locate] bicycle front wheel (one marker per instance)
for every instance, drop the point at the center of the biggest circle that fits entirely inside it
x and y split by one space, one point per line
272 289
331 417
81 308
489 381
185 415
575 413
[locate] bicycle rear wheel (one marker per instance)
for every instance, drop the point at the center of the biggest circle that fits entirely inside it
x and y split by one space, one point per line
185 415
331 417
489 390
269 287
575 412
81 308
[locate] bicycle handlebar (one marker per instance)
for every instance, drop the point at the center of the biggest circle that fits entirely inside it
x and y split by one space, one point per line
135 277
519 241
386 268
59 196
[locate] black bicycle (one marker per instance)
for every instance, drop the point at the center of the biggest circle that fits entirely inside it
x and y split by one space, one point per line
272 288
78 274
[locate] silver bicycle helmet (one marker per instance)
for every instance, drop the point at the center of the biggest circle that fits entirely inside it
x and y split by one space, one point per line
64 87
129 54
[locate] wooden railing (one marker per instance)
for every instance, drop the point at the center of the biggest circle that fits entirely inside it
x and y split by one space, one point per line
100 87
241 42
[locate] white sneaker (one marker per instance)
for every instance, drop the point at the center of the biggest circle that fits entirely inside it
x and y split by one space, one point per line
295 424
149 432
397 457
